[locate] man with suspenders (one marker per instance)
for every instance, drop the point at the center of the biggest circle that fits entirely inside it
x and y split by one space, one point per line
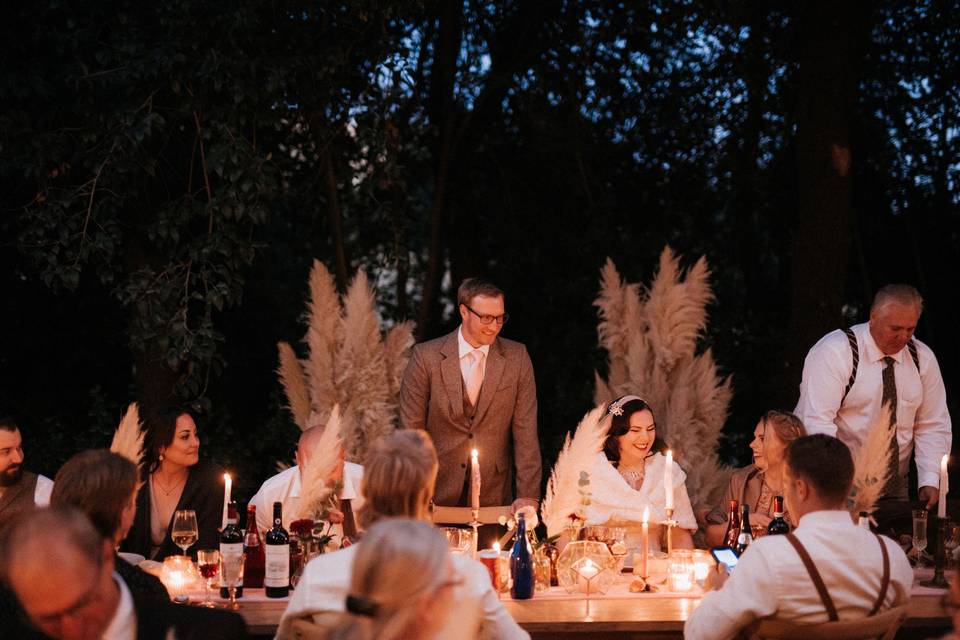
850 374
827 569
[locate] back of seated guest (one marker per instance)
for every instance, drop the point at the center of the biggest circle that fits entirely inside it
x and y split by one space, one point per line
175 479
104 485
61 570
862 573
402 586
398 481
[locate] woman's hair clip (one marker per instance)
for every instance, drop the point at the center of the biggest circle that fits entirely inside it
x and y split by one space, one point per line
616 407
362 606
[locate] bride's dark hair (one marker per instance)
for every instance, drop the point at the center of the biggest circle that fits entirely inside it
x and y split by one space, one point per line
620 425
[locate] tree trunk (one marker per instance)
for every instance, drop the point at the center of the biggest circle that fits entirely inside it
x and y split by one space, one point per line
441 108
826 95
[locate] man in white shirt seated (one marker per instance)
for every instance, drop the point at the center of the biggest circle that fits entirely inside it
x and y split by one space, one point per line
850 374
61 571
285 487
772 578
20 491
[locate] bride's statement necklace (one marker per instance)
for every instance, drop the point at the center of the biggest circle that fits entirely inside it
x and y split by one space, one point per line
633 475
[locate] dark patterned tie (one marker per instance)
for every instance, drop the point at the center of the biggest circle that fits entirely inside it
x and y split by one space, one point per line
895 481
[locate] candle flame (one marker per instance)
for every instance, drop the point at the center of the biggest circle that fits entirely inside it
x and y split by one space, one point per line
474 454
496 547
588 564
226 477
669 454
646 515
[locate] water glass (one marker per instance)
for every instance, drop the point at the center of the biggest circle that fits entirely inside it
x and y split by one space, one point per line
231 567
460 540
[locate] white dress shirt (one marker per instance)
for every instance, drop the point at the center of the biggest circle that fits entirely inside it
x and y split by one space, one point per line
123 625
922 417
771 579
285 488
41 495
325 582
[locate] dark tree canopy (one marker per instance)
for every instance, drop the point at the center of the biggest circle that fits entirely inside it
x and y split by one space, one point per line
169 172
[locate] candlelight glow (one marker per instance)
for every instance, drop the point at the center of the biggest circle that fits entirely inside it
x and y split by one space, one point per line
646 515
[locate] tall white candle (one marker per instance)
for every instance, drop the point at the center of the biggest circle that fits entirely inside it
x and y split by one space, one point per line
474 480
668 480
645 543
227 486
944 488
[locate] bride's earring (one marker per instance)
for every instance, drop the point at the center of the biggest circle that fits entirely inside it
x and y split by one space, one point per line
160 457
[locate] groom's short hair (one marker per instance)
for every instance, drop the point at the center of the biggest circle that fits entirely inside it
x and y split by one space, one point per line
473 287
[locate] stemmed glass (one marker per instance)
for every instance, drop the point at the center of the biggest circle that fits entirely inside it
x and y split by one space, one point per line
184 530
208 560
919 532
231 568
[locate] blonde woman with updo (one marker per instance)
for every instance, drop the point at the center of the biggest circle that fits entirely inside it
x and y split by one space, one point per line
398 481
402 586
759 483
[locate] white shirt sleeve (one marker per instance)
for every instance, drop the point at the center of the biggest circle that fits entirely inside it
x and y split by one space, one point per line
932 433
41 495
826 371
264 519
750 593
495 623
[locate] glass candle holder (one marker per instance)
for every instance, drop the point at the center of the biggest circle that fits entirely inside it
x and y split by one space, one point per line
703 564
680 572
178 575
585 566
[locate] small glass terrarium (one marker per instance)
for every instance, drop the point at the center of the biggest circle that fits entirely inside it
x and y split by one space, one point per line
586 566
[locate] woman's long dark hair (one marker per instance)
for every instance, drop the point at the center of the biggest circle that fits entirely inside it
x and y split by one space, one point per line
620 425
160 426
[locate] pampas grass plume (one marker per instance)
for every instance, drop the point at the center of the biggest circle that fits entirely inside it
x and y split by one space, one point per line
128 438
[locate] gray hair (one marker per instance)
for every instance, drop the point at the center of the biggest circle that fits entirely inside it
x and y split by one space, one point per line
59 527
899 293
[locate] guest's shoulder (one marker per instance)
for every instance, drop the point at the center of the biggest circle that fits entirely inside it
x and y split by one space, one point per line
743 474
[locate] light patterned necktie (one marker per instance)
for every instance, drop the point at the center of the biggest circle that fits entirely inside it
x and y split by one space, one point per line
475 376
895 481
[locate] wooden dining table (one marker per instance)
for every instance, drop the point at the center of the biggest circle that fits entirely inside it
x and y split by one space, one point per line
617 614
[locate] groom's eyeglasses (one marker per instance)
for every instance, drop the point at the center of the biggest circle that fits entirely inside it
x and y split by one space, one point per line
488 319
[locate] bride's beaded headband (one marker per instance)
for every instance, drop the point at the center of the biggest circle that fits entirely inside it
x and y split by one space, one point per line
616 407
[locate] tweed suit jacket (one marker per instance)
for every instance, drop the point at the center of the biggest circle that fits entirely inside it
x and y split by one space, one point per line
502 426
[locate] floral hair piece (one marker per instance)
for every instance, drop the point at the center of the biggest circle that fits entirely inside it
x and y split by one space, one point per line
616 407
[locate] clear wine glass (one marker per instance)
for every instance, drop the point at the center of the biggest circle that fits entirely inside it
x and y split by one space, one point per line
208 561
951 540
919 532
231 567
184 530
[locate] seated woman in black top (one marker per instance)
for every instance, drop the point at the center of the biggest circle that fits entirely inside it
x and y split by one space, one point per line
174 479
104 485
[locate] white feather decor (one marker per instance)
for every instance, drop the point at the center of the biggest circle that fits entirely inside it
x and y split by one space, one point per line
128 438
579 450
294 385
350 363
316 469
651 337
871 465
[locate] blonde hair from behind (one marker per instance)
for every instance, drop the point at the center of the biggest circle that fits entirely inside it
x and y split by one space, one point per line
400 568
398 477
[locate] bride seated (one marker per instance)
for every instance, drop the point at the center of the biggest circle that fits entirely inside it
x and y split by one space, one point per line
626 472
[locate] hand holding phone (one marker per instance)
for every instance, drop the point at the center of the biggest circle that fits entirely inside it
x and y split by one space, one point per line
725 556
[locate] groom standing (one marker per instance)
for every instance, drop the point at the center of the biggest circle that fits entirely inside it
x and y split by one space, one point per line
473 390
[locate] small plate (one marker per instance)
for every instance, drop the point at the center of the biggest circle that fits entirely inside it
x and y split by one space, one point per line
132 558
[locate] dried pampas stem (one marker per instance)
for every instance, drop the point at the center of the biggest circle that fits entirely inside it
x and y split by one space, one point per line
128 438
872 465
317 467
577 455
651 342
294 385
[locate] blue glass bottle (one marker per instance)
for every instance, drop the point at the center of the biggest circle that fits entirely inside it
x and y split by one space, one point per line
521 563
